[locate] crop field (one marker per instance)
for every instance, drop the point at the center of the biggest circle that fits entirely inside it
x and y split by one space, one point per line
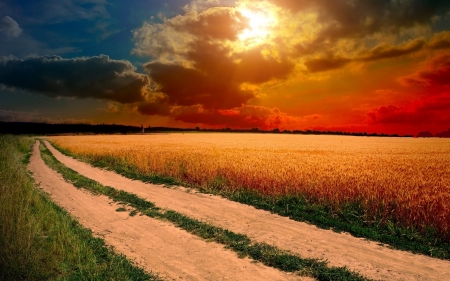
402 180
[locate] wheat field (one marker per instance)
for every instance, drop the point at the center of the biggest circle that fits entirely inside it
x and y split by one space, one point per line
403 179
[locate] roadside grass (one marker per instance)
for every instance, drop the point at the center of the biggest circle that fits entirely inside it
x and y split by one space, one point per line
351 219
241 244
41 241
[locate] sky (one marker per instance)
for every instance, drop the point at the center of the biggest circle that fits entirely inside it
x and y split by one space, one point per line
341 65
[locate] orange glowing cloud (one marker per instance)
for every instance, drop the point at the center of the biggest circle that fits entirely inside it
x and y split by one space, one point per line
361 65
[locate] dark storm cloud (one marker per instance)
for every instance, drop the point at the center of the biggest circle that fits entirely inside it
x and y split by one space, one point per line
87 77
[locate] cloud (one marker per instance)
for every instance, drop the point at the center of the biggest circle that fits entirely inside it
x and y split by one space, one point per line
428 110
188 86
104 28
56 11
254 67
86 77
339 32
27 116
359 18
205 72
440 41
435 72
214 23
324 64
173 38
10 27
317 42
245 117
195 65
380 52
157 105
13 116
385 51
25 45
199 5
215 78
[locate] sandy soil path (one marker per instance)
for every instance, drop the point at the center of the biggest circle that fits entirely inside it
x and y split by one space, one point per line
155 245
365 257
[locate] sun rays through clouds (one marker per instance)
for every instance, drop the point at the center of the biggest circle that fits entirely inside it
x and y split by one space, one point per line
208 62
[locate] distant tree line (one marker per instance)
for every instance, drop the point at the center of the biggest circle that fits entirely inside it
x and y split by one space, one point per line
303 132
53 129
28 128
427 134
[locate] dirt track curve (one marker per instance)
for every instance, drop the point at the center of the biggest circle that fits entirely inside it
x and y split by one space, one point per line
155 245
367 258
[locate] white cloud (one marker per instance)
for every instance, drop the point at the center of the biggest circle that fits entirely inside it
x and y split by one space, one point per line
199 5
10 27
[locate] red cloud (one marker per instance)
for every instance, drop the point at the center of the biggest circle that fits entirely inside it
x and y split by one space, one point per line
240 117
435 73
434 109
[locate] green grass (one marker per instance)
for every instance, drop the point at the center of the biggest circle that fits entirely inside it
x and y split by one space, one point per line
351 219
38 239
241 244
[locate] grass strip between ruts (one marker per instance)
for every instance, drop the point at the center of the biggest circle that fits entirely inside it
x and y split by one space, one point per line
267 254
296 208
41 241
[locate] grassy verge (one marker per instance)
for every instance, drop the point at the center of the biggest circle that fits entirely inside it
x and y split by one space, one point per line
39 240
351 219
267 254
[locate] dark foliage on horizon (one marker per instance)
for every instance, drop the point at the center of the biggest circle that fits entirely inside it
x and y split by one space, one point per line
30 128
427 134
18 128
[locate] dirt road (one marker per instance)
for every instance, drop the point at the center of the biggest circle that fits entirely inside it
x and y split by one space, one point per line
365 257
155 245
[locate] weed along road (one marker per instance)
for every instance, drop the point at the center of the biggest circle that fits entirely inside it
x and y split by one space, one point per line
156 245
365 257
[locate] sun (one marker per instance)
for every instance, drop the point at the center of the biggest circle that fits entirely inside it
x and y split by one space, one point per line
259 26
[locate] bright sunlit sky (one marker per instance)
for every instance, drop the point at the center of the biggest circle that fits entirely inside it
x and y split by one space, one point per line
349 65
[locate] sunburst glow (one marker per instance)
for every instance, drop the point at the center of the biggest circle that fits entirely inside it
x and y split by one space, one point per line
259 26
